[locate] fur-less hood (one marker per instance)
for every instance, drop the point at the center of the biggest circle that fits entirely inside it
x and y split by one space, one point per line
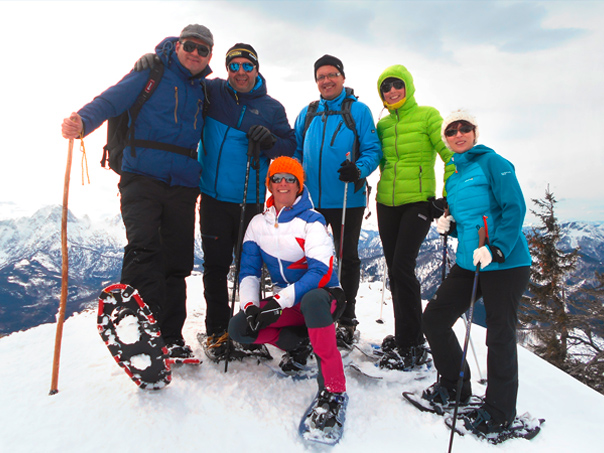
398 71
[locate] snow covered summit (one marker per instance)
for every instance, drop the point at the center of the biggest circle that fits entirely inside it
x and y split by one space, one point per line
98 408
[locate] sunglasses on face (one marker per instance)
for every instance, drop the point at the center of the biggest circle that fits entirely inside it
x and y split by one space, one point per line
190 46
387 86
247 67
278 177
462 129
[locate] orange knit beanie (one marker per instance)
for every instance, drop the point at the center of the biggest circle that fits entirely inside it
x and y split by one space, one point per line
289 165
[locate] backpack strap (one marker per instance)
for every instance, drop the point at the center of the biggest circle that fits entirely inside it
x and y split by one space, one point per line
311 112
155 76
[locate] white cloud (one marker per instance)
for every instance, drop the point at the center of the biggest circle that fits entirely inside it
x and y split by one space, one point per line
529 71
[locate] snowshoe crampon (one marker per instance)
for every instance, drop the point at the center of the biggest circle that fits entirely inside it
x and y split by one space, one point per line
132 335
323 421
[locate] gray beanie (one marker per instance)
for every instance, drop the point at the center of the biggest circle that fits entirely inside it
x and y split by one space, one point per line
458 115
199 32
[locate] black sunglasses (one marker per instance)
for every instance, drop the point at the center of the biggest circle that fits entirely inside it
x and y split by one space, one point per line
278 177
463 129
387 85
190 46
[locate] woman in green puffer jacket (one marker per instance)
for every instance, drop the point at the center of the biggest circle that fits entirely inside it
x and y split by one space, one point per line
411 138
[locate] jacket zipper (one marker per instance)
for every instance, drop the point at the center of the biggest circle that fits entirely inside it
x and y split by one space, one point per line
175 104
199 102
397 156
324 121
333 139
421 170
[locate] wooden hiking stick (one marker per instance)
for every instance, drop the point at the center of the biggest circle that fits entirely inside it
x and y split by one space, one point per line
64 276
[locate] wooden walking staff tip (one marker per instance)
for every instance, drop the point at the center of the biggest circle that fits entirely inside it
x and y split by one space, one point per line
64 276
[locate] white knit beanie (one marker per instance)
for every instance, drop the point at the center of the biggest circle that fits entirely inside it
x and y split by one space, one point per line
458 115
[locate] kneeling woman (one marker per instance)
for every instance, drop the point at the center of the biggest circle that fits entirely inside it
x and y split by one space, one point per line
291 238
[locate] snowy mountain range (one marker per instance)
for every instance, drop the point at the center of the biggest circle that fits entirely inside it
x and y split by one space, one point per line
30 262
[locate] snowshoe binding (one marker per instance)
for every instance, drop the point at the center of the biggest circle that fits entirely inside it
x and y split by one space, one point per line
179 353
480 424
323 421
437 399
215 347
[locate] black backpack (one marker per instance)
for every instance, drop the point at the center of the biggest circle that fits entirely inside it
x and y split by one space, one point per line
119 135
311 112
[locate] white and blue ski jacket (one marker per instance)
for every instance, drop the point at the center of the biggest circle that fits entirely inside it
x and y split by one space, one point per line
296 248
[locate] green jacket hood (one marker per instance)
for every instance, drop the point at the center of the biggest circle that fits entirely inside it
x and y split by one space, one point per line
400 72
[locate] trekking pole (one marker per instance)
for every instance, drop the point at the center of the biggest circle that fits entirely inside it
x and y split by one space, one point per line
380 320
256 166
54 386
341 253
238 245
482 234
482 380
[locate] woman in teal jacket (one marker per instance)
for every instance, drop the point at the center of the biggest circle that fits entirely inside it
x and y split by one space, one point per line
482 193
411 139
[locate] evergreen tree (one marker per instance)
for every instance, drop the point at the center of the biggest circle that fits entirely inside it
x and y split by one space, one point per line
587 364
545 311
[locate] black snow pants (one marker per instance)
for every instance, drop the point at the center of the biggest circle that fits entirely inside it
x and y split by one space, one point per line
160 229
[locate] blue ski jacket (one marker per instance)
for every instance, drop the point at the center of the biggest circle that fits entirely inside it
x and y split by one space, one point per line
485 184
325 146
224 147
172 115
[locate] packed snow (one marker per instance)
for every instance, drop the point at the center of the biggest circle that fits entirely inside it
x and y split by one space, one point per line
98 408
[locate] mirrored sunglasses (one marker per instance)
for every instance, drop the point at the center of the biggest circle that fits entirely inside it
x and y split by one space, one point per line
278 177
190 46
247 67
387 85
463 129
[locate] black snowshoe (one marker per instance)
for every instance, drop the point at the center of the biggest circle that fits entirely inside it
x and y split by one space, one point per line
324 419
132 336
480 424
437 399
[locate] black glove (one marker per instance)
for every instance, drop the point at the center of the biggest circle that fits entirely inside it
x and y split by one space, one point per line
349 172
437 207
147 61
262 136
259 318
497 254
251 313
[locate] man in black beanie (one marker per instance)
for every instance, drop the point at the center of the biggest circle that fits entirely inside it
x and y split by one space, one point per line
336 151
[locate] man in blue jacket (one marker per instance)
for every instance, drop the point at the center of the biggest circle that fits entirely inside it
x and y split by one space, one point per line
240 111
334 155
159 188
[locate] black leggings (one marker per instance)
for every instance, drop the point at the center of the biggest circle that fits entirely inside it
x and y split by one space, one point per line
501 292
402 231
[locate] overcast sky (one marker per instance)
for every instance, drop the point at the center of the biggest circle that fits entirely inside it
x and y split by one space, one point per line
531 72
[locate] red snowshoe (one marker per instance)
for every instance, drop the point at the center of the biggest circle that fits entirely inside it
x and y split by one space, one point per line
132 335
